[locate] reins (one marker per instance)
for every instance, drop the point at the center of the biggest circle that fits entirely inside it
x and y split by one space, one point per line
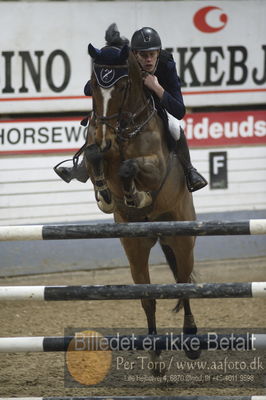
126 133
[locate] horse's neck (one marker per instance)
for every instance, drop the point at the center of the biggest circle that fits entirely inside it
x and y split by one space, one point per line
136 100
137 96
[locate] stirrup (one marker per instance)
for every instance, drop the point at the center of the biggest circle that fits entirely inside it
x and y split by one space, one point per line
77 172
67 176
62 171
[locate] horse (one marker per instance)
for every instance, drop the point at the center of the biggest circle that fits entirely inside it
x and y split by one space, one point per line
136 174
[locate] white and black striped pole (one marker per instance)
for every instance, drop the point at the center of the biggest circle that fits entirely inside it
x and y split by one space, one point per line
141 398
137 291
134 229
211 341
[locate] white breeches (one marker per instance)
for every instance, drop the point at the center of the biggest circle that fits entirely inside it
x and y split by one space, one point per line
174 126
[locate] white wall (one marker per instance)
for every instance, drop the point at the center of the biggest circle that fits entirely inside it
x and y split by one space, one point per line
30 191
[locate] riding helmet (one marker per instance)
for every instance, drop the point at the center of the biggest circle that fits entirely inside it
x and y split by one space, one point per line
146 39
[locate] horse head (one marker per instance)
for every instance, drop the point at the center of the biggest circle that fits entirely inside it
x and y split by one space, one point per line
118 95
109 84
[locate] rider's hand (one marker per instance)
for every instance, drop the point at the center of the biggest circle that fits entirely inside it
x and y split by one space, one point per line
152 83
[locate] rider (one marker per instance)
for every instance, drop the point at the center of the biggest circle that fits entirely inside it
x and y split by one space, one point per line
162 80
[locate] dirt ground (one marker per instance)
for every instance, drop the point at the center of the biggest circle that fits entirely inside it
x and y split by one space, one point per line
45 374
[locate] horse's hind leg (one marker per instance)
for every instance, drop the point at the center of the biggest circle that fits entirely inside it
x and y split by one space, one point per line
138 250
179 255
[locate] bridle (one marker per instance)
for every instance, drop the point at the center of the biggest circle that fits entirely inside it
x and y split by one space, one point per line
125 126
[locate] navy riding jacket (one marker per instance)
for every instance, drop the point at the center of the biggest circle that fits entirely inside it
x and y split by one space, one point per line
172 100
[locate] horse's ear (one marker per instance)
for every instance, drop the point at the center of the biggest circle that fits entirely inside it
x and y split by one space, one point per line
124 53
93 52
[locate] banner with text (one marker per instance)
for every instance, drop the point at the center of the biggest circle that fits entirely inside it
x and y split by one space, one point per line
220 52
67 135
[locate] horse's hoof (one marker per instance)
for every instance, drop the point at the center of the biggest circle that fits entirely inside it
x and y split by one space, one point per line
138 200
193 354
158 372
159 366
129 201
107 208
145 199
190 330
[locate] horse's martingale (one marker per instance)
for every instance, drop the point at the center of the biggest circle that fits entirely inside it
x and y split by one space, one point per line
128 160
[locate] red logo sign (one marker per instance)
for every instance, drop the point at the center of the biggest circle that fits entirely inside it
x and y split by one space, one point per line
201 20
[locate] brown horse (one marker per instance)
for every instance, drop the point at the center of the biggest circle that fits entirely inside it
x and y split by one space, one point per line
135 174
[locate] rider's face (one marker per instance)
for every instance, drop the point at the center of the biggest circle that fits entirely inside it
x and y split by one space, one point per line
147 59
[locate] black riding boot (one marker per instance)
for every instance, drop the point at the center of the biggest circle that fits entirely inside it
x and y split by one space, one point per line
78 172
194 179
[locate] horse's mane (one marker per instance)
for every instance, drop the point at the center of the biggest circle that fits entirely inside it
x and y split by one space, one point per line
136 74
134 68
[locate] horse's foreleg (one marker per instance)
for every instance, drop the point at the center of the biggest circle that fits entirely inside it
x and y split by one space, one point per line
132 197
137 174
94 158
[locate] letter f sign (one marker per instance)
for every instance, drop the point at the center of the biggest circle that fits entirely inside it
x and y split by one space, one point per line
218 162
218 170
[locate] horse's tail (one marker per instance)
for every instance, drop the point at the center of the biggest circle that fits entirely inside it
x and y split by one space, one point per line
171 260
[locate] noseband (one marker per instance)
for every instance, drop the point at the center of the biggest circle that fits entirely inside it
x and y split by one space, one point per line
126 126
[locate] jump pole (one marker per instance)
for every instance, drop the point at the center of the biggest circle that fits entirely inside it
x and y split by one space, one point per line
131 292
81 342
133 229
141 398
